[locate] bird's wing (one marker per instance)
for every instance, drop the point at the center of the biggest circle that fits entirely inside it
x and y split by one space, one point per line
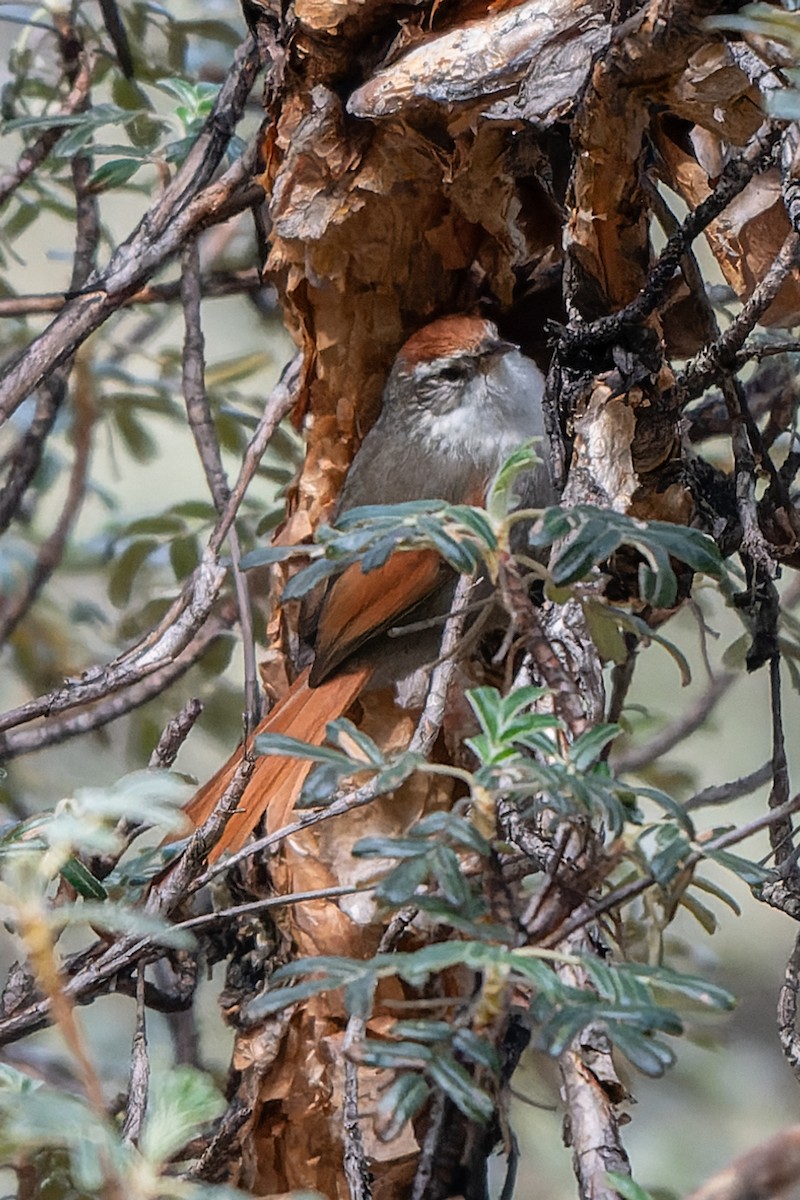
358 606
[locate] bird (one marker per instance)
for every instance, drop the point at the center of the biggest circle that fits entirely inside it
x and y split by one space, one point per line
457 401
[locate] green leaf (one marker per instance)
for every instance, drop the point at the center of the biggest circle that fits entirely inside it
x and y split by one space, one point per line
446 870
606 632
673 851
648 1055
116 919
401 884
139 442
278 744
459 1086
423 1031
264 556
389 847
184 555
626 1187
500 500
321 785
346 736
446 824
462 556
162 523
713 889
23 217
126 568
303 582
588 547
82 880
401 1102
701 912
113 174
658 584
752 873
691 546
587 747
476 521
478 1050
698 990
279 998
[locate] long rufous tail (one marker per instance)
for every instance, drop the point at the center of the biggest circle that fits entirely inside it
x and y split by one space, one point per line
275 783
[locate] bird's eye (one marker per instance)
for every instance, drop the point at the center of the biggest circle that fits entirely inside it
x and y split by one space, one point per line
451 374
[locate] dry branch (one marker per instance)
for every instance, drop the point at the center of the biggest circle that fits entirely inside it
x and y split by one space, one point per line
188 204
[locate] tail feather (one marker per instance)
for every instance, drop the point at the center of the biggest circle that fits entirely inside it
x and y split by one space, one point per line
275 784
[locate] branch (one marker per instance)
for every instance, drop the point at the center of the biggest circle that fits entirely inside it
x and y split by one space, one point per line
212 285
769 1170
52 549
704 368
124 698
139 1081
27 454
198 411
722 793
733 180
677 731
588 913
157 648
155 652
25 458
781 833
592 1092
552 672
186 205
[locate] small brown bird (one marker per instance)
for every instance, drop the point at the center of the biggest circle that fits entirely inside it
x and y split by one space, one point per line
457 402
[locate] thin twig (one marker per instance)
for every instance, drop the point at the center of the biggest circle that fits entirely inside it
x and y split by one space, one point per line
123 699
213 1164
746 439
788 1031
166 751
139 1081
677 731
354 1159
781 833
589 913
430 1147
704 368
553 673
269 902
756 351
52 549
592 1092
723 793
175 734
213 285
734 178
356 1165
198 411
26 457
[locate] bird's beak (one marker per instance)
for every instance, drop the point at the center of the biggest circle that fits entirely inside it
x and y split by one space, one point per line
496 348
